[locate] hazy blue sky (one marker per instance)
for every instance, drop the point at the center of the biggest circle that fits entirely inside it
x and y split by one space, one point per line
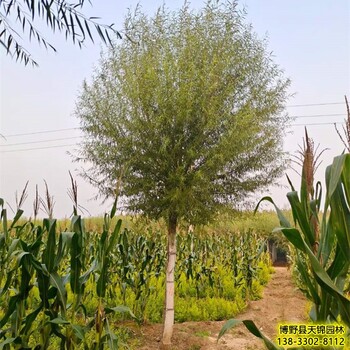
309 39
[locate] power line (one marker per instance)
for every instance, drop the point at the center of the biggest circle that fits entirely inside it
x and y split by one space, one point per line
41 141
307 124
40 132
318 104
300 105
77 128
318 115
37 148
74 144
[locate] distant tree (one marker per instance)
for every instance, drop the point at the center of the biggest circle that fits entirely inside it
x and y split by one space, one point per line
185 118
59 15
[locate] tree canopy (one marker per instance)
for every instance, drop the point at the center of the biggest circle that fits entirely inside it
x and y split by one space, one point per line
59 15
187 116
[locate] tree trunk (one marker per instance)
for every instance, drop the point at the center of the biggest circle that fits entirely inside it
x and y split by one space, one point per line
170 285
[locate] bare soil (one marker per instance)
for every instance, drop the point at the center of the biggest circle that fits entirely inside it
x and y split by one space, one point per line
281 301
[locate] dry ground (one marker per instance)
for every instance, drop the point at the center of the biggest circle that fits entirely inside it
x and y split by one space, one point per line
281 302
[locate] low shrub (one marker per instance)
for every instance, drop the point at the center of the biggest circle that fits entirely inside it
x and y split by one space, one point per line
207 309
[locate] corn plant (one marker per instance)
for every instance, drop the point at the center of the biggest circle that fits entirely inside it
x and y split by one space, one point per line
201 256
322 240
61 287
197 258
252 248
138 259
38 260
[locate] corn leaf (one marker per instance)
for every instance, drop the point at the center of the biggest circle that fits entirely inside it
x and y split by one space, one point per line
114 236
335 173
56 281
250 325
10 309
283 220
300 216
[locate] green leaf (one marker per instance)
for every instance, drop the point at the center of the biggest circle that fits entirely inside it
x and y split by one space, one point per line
100 33
120 309
16 218
327 241
307 280
8 282
20 256
227 326
250 325
340 219
113 238
6 341
29 320
80 26
300 215
335 174
294 236
103 277
10 309
3 216
114 208
325 281
338 264
64 243
59 320
112 339
283 220
56 281
77 224
84 278
290 183
88 30
43 285
79 331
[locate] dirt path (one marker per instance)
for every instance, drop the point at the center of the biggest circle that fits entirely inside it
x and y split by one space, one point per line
281 302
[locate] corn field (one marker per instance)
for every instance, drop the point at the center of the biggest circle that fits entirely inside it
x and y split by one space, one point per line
72 289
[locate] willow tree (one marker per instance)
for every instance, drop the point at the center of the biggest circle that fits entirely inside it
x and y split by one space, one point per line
59 15
184 118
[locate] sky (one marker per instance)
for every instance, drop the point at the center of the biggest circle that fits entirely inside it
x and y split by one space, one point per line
310 41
